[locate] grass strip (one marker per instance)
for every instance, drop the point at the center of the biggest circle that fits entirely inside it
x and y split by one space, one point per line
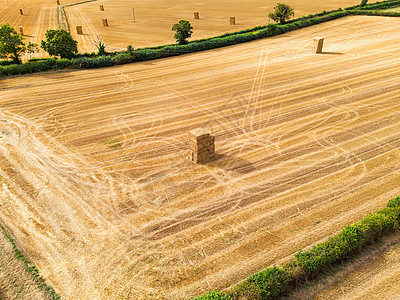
31 268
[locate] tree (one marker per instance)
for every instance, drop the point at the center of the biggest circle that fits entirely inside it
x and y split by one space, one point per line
282 13
363 3
183 31
11 44
60 43
101 46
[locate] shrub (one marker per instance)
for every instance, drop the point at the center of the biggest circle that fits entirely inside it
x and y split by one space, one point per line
90 63
63 63
246 290
214 295
6 62
394 202
271 282
121 58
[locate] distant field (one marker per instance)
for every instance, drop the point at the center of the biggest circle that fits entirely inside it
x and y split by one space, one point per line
15 282
154 18
98 189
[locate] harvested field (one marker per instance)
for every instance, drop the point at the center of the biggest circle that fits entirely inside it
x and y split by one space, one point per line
15 281
154 19
39 16
373 274
98 189
376 278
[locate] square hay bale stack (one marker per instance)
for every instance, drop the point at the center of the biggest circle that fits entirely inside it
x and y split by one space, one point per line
233 21
196 16
318 43
79 29
201 145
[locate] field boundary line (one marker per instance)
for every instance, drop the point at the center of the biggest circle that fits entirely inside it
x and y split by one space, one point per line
30 267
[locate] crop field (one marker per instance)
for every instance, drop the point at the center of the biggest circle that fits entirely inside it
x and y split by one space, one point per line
14 279
154 19
375 278
97 187
373 274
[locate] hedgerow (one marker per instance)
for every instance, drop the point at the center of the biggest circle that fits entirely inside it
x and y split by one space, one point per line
277 281
31 268
92 60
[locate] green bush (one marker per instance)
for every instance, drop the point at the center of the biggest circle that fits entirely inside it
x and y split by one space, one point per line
272 282
6 62
214 295
90 63
394 202
246 290
121 58
63 63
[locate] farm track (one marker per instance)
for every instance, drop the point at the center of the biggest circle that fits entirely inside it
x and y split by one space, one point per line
97 188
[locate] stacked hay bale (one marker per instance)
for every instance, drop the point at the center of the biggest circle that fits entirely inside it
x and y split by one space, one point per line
317 45
201 145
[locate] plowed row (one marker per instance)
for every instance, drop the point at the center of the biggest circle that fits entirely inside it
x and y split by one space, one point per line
97 187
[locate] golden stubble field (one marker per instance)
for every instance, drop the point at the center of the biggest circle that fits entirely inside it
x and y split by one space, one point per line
15 281
154 18
97 188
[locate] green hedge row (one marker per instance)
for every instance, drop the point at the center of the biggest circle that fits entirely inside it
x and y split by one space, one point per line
90 60
276 281
376 13
31 268
381 5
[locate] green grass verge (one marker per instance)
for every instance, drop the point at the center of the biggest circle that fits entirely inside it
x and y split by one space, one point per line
277 281
30 268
